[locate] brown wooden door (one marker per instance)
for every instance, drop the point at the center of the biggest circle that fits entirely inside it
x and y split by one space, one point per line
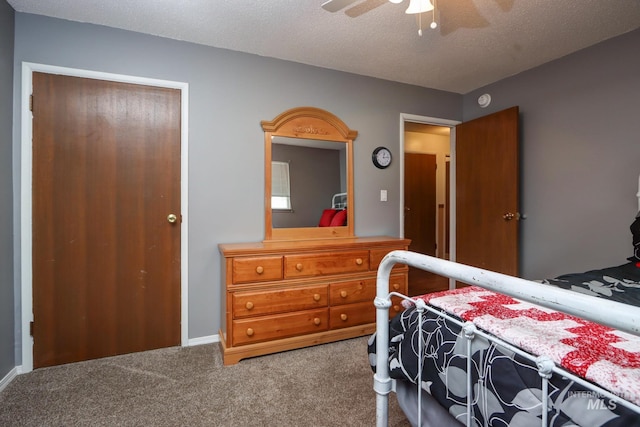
487 181
420 216
106 261
420 202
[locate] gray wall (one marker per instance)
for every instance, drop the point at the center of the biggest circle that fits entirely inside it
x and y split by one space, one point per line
314 175
230 93
7 334
580 144
580 148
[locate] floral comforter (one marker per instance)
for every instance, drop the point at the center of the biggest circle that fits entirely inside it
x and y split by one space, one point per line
621 283
507 387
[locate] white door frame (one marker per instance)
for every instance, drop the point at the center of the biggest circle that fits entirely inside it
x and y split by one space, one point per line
452 178
26 236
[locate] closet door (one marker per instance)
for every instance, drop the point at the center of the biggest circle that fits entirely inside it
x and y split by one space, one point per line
106 253
487 182
420 218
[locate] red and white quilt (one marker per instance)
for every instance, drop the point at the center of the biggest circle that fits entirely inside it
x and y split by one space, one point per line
598 353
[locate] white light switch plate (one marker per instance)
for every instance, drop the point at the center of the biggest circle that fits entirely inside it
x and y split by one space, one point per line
383 195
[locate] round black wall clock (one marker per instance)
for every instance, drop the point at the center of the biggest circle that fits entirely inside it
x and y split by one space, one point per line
381 157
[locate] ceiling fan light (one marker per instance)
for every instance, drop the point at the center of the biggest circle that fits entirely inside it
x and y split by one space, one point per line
395 1
419 6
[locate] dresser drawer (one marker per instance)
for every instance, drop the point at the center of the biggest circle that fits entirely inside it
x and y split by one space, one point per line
325 263
343 316
351 291
258 303
256 269
396 307
251 330
376 255
398 283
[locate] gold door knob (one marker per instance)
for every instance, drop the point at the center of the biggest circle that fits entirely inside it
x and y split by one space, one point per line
249 305
344 317
316 297
316 321
343 294
249 332
509 216
259 269
172 218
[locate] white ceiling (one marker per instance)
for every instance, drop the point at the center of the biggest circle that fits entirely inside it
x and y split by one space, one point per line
477 42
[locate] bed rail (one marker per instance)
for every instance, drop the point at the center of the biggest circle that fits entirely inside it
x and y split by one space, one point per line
627 318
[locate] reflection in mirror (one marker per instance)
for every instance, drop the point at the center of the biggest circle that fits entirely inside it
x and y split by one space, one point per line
308 152
308 177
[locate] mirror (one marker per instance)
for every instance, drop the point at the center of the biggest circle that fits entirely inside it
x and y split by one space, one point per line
316 180
308 176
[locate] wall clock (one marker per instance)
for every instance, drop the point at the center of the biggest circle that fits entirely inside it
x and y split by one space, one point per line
381 157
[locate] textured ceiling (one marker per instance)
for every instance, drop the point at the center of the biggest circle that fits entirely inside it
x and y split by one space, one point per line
476 43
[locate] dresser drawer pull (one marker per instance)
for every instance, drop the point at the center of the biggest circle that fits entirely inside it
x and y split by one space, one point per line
396 286
259 269
316 321
396 308
249 332
249 305
359 261
343 294
299 267
316 297
344 317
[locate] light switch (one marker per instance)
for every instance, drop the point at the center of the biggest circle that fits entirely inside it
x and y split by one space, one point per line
383 195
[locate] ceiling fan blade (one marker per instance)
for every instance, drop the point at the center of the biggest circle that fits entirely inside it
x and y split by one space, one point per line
364 7
336 5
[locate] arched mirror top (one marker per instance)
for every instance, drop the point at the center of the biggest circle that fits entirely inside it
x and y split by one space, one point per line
309 123
302 140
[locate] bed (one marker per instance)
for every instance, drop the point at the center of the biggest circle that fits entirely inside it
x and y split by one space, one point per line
508 351
336 216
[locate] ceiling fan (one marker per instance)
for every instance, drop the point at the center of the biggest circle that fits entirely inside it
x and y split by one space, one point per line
363 6
449 16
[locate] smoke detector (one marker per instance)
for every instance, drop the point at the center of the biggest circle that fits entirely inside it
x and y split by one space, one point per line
484 100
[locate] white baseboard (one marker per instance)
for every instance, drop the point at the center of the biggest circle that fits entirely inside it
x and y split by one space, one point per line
9 377
204 340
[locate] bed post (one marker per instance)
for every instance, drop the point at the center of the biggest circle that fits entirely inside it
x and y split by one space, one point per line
382 383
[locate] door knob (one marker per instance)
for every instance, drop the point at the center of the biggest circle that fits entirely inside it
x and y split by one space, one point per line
172 218
509 216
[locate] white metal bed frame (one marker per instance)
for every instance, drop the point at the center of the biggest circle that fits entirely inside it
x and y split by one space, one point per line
339 201
627 319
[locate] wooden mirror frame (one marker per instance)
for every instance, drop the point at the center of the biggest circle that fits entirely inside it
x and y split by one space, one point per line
316 124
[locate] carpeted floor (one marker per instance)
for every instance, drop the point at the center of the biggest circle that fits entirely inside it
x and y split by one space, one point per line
326 385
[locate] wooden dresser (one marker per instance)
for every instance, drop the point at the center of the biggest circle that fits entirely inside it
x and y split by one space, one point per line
279 296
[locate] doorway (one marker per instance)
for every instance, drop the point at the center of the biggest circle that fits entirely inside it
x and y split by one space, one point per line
427 149
29 177
484 168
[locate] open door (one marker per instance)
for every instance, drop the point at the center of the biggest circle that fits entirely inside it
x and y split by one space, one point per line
487 182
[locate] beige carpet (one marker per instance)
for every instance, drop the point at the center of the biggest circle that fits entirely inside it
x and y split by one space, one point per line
326 385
